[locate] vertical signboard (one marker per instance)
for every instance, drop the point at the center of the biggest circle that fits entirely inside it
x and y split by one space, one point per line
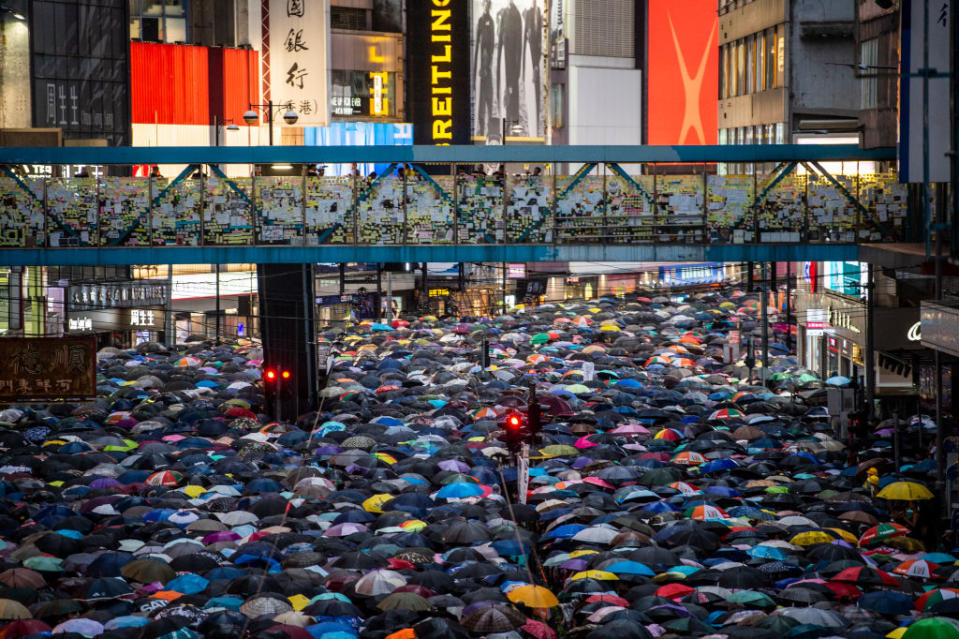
295 46
507 72
80 68
682 72
916 14
438 59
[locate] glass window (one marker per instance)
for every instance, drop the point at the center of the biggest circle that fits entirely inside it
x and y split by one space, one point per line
159 20
868 82
741 67
760 48
750 64
556 105
723 71
781 55
769 62
362 93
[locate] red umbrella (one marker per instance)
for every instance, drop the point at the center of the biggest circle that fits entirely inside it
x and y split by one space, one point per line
612 600
538 629
674 591
866 576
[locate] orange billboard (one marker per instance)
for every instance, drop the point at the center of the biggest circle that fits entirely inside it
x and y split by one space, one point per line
682 71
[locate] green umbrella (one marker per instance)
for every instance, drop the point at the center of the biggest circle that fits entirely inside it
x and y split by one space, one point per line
539 338
751 598
44 563
933 628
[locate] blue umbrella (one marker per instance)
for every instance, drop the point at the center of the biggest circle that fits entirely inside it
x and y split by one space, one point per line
459 490
766 552
886 602
566 531
630 568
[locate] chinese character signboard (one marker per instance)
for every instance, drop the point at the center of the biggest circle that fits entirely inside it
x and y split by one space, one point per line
439 70
299 38
44 368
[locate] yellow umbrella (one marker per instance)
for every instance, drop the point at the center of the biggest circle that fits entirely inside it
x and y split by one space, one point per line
299 602
582 553
193 491
533 596
375 503
385 457
601 575
905 491
609 327
897 633
845 535
811 537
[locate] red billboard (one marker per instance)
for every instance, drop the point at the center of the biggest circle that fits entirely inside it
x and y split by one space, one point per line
682 72
182 84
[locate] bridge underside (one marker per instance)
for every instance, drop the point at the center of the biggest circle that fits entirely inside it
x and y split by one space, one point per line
481 253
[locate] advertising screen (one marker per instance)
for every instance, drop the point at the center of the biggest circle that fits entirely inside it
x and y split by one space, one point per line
506 66
682 72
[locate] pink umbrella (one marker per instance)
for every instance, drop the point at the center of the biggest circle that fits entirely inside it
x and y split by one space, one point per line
584 442
344 529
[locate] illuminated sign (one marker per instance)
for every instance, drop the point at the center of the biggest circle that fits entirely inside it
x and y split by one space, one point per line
439 292
141 318
80 324
439 71
682 72
915 332
516 271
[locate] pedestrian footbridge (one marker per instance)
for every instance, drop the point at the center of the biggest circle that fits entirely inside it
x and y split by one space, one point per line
695 203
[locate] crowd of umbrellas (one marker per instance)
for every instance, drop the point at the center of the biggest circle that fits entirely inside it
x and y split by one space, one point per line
669 495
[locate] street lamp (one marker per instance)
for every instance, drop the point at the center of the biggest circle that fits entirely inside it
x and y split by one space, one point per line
252 117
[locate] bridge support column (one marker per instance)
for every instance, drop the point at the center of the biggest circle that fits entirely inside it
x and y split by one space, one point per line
289 336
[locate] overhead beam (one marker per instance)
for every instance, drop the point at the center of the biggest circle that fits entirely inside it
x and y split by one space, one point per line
462 154
435 253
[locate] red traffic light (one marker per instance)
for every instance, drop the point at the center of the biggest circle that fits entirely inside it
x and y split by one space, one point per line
513 421
270 375
286 374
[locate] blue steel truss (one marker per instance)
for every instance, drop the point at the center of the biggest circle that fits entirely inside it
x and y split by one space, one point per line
527 245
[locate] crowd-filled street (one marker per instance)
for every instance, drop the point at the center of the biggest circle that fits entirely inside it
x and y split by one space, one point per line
669 494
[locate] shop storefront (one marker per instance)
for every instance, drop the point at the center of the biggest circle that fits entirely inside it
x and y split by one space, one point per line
121 314
118 327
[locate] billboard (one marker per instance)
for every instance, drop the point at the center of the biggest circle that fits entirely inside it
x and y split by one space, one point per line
80 68
295 60
506 70
682 75
439 70
38 368
911 109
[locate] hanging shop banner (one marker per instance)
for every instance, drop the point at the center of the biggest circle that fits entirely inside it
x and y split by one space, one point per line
439 70
507 70
44 368
296 40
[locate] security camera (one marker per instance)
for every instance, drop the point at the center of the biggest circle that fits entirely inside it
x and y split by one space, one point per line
290 117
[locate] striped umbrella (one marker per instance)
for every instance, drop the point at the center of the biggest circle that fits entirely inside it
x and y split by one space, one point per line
882 532
916 568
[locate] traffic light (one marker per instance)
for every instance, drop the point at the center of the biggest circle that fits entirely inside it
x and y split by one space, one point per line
269 375
515 426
